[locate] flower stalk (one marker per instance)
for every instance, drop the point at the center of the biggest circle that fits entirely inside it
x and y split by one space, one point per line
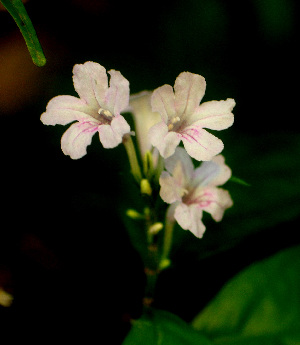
167 244
133 161
151 272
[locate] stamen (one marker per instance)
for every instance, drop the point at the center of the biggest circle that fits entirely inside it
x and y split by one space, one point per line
175 119
105 112
183 192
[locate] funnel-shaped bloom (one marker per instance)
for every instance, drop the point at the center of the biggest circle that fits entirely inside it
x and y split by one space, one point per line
97 110
192 191
144 118
184 119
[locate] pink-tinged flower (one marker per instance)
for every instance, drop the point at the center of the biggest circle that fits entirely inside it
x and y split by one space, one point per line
191 191
184 119
97 110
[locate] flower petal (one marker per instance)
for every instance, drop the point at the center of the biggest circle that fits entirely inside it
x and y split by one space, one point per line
189 90
189 218
212 173
214 201
163 101
144 118
77 137
170 190
165 141
91 83
200 144
117 95
185 160
112 135
62 110
120 125
214 114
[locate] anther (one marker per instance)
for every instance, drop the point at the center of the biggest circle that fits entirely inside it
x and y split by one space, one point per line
175 119
105 112
183 192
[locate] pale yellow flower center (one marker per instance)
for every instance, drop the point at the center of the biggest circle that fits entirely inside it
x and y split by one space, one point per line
173 122
184 192
105 116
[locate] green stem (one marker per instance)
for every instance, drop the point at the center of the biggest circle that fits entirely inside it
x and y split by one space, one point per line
151 271
152 263
159 168
167 244
19 14
155 264
133 161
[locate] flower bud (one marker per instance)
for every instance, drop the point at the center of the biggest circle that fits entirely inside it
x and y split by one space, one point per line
133 214
148 164
146 187
165 263
155 228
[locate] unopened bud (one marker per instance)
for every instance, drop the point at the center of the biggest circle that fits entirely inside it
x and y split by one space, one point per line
146 187
148 164
155 228
165 263
131 213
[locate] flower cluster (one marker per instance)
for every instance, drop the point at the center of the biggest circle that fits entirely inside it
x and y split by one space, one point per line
163 119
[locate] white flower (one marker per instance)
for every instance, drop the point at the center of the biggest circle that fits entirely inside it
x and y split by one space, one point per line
192 191
144 118
97 110
184 119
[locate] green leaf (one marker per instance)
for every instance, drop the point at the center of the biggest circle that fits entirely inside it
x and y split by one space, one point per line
239 181
157 327
19 14
260 306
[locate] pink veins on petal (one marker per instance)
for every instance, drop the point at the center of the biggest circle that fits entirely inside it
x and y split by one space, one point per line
190 137
182 113
98 109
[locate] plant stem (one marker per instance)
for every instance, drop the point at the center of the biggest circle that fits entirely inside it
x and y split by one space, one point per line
152 261
156 264
151 271
159 168
20 15
133 161
167 244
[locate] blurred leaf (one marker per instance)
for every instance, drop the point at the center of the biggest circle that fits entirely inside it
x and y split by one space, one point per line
157 327
261 305
18 12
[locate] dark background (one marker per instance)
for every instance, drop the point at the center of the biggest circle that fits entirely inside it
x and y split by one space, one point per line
64 251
